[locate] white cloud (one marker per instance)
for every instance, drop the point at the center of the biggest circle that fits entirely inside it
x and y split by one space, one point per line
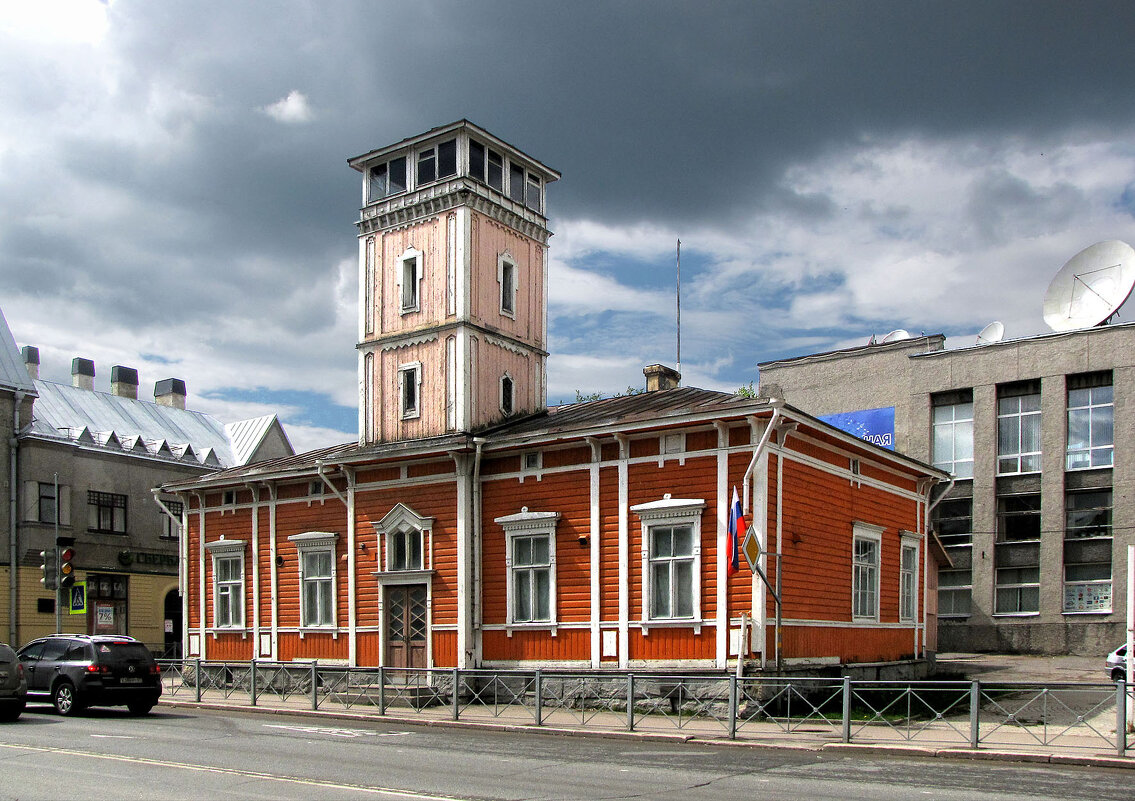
54 21
290 110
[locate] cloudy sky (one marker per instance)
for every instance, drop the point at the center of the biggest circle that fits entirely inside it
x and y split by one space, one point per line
174 194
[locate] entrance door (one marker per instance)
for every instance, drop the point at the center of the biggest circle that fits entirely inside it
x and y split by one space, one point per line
172 625
406 626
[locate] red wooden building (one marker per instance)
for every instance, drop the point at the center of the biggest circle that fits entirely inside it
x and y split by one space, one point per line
472 526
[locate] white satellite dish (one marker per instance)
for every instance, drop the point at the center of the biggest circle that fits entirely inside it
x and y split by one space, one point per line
994 332
896 335
1090 287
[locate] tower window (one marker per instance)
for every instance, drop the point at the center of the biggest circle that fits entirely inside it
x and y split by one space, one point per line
516 183
532 194
506 275
507 391
410 276
387 179
437 162
486 165
409 389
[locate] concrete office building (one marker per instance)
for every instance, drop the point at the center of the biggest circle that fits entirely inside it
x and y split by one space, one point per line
1039 434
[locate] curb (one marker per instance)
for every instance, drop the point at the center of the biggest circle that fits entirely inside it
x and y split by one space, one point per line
864 749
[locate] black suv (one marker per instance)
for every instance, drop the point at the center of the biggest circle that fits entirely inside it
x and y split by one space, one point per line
80 670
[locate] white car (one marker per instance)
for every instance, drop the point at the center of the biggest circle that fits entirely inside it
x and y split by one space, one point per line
1116 664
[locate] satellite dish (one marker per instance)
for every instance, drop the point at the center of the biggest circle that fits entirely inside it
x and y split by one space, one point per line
993 332
896 335
1090 287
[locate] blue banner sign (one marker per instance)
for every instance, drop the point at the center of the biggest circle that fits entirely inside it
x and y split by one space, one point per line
877 426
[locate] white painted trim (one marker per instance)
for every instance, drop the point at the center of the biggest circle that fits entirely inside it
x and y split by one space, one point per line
624 553
466 645
451 263
273 573
318 542
255 571
404 371
503 259
530 524
670 512
201 574
352 579
910 540
722 566
594 561
870 533
400 276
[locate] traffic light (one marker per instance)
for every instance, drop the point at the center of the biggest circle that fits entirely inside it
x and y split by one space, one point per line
50 577
66 569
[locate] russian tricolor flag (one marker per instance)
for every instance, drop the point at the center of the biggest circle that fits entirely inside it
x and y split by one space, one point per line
737 529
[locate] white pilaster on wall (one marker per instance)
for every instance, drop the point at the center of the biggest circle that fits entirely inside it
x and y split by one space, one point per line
722 579
760 520
201 572
464 480
272 572
624 554
596 588
255 570
352 593
464 260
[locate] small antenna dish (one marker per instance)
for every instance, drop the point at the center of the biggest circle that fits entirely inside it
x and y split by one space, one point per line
896 335
994 332
1090 287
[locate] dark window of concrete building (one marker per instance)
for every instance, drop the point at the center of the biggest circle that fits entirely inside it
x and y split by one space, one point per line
1087 551
47 504
953 522
1018 428
107 512
1091 414
952 442
1018 517
170 529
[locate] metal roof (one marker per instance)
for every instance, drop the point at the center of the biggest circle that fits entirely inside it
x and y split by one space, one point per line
13 373
99 419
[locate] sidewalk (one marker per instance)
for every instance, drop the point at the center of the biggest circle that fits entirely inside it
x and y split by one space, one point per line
1075 740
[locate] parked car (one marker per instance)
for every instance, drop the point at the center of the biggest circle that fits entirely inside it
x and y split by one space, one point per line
75 671
1116 664
13 685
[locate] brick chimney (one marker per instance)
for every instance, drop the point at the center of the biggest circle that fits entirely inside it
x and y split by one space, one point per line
82 373
659 376
124 382
170 392
31 361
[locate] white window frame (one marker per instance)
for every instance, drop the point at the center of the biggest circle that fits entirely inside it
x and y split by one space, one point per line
314 543
1094 411
402 521
950 420
412 274
411 371
908 579
222 550
374 197
507 297
1018 418
671 513
171 530
526 524
955 590
866 570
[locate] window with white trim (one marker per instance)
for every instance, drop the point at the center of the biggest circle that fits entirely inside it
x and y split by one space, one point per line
171 530
317 578
506 278
1018 428
507 395
671 559
866 547
386 179
530 564
228 583
908 580
438 161
404 549
953 432
410 390
486 165
1091 417
409 277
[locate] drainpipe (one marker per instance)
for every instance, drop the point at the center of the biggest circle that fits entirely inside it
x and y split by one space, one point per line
13 549
926 557
479 442
776 405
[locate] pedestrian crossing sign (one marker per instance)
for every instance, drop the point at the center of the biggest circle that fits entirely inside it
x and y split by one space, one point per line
77 603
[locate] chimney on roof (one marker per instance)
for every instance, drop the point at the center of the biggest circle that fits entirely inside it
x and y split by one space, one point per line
124 382
31 361
659 376
170 392
82 373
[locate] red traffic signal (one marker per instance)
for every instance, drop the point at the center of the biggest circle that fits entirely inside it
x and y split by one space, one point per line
66 569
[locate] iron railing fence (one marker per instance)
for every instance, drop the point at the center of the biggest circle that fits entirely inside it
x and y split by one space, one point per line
962 714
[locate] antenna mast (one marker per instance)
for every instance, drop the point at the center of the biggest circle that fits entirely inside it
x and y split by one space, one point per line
679 293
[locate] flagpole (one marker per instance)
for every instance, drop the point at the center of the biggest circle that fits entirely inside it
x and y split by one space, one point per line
679 315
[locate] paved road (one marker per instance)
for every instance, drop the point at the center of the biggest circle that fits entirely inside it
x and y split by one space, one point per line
196 754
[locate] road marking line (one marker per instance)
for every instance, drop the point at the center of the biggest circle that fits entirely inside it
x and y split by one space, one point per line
115 736
333 732
248 774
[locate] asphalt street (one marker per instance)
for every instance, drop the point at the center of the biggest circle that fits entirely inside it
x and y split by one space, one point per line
181 753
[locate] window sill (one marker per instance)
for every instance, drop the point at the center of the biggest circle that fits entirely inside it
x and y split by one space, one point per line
1015 614
684 623
867 621
217 631
550 626
328 629
1087 612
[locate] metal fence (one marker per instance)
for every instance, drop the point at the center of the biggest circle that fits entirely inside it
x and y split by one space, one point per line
960 714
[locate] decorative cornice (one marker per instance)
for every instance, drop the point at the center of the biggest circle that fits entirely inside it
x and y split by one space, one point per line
421 339
504 344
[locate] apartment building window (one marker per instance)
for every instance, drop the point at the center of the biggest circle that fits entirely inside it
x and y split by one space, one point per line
1017 555
530 564
107 512
953 522
170 529
1018 428
47 502
953 432
410 389
1091 415
384 180
486 165
1087 551
908 575
865 558
316 551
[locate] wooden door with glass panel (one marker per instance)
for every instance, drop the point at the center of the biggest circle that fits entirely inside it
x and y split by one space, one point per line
406 626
